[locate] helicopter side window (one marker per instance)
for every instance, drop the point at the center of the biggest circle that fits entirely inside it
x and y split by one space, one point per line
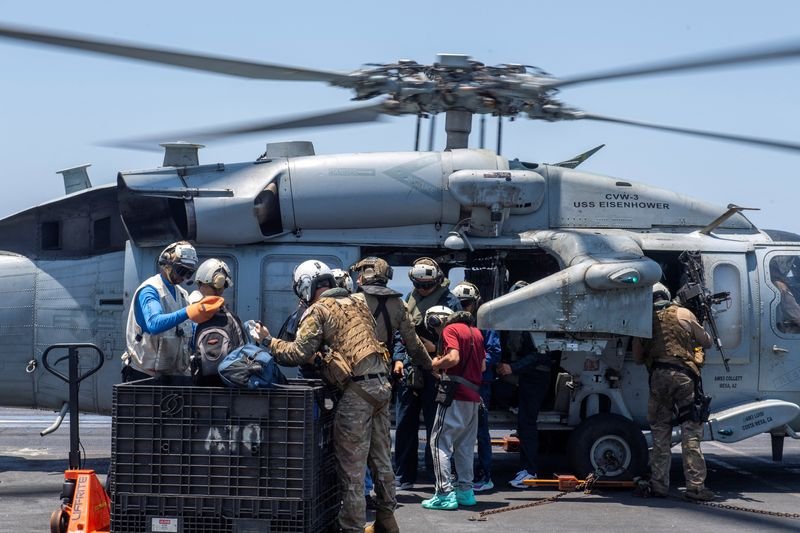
728 314
784 274
400 281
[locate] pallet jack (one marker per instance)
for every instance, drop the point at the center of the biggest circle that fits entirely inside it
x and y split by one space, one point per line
85 505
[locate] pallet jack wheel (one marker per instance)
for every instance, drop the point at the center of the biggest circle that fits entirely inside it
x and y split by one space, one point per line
59 521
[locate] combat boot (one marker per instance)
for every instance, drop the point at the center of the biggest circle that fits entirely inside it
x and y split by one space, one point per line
700 494
385 522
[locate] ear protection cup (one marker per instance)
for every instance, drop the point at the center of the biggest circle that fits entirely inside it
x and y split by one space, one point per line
220 280
434 321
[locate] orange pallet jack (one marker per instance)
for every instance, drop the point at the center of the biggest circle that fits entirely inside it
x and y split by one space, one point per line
509 443
85 506
568 482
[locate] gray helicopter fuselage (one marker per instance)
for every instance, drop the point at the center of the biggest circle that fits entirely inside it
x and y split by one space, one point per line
590 245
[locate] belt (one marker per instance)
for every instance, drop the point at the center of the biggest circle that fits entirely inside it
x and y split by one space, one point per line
368 376
677 368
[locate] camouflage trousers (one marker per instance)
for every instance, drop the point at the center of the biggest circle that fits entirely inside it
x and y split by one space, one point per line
361 437
669 388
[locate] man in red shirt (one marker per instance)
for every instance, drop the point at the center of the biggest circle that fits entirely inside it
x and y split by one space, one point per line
455 426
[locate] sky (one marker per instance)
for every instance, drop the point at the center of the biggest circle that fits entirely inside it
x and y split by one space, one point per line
58 107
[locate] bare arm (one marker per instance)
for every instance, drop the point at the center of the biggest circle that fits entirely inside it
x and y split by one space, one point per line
448 360
789 305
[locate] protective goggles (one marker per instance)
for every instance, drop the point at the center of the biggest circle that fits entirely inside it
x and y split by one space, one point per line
182 271
426 284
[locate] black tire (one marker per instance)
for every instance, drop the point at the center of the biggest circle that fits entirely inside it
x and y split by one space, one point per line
59 521
606 434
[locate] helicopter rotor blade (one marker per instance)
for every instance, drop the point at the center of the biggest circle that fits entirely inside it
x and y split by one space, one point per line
742 139
206 63
333 118
760 54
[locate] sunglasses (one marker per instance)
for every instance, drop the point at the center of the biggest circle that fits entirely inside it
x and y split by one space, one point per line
424 284
183 271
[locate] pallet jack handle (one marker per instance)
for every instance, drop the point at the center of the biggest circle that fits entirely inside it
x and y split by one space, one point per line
73 380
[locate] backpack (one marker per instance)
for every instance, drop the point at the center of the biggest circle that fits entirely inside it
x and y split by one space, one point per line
214 340
213 344
250 366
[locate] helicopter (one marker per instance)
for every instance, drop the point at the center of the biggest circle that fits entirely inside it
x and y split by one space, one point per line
590 246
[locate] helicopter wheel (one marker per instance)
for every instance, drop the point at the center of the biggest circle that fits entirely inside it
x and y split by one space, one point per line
59 521
611 443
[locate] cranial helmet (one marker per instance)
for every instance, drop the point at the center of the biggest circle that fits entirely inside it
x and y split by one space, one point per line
425 273
436 316
309 276
661 294
343 279
373 271
179 257
214 272
467 292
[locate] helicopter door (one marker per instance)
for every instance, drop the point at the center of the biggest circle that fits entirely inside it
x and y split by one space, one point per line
728 273
780 319
279 300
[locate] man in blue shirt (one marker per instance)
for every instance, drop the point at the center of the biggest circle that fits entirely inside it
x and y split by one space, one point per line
157 332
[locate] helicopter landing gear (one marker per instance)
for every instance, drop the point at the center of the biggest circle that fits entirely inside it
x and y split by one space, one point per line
608 444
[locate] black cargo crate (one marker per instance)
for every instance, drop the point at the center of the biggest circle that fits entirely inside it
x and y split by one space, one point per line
222 442
187 514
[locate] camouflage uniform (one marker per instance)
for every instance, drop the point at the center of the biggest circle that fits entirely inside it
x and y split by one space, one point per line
361 426
391 315
676 333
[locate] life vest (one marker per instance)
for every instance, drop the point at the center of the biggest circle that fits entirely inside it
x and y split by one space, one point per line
166 353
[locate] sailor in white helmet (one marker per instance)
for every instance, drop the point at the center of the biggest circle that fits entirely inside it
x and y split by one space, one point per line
222 333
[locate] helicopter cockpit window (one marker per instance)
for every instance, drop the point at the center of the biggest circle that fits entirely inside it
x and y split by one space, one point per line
784 274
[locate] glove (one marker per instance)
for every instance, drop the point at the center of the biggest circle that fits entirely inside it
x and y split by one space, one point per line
203 310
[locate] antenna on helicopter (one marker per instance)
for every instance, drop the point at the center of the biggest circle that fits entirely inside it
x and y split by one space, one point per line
732 210
483 132
75 178
181 154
